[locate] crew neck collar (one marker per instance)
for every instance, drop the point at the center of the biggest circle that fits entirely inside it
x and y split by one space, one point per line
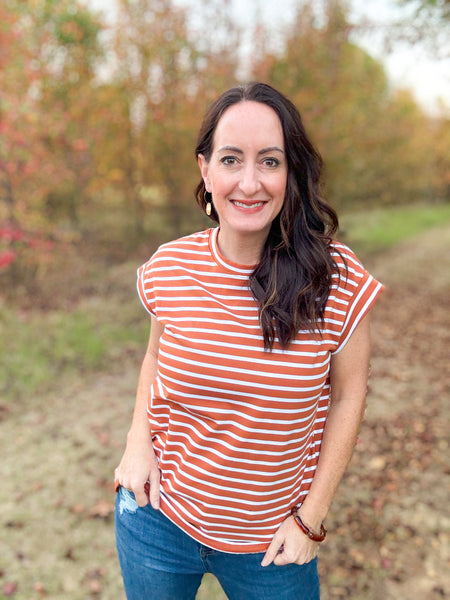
225 262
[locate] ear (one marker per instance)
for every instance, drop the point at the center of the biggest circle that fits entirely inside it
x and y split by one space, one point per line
204 168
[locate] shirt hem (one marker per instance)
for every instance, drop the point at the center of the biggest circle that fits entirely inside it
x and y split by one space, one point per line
230 548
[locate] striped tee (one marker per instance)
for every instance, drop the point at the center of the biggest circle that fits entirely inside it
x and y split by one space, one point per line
236 429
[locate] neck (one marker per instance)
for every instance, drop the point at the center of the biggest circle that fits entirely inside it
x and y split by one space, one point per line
243 249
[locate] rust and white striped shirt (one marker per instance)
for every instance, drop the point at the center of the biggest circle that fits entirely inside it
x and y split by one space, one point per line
237 430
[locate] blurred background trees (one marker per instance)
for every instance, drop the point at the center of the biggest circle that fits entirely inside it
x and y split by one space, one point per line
98 123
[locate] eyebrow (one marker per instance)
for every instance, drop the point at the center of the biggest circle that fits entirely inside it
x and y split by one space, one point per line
239 151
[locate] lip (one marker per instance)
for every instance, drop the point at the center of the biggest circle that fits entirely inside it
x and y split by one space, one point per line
248 204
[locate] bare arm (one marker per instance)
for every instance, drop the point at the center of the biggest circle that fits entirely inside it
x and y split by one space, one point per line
349 373
139 465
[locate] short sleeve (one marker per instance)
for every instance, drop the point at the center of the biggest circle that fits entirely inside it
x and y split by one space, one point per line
145 288
355 293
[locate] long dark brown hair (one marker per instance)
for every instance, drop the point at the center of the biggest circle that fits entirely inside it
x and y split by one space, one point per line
292 281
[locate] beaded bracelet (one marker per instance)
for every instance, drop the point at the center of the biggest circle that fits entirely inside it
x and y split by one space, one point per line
315 537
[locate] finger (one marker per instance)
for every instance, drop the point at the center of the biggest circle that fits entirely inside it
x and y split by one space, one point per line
116 481
154 488
282 558
141 495
272 551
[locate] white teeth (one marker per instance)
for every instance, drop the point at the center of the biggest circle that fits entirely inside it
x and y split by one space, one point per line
248 205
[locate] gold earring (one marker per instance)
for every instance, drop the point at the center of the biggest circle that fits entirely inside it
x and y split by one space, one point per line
208 205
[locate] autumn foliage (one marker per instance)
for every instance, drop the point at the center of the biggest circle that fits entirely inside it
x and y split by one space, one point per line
99 117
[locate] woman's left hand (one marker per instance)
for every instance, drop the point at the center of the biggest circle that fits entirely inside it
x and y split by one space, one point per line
290 545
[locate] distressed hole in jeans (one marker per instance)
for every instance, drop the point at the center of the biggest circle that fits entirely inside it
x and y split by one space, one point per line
127 502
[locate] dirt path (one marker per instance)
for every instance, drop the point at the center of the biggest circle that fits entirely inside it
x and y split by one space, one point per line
389 527
392 508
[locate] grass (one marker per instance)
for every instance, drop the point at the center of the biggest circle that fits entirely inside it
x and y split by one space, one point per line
42 347
377 230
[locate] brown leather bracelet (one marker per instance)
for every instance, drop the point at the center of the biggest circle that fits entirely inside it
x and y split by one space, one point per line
315 537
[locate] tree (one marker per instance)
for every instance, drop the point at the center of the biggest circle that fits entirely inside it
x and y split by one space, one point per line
70 93
48 58
420 24
161 82
366 134
440 140
25 165
430 25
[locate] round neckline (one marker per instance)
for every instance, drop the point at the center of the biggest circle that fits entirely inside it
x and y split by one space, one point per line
222 261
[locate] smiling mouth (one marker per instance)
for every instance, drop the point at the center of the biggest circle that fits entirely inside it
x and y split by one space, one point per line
247 204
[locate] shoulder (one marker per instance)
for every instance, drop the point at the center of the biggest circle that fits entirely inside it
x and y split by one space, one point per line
349 267
191 242
351 277
353 292
343 254
184 248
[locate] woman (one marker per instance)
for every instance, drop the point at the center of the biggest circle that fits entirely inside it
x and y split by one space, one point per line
237 444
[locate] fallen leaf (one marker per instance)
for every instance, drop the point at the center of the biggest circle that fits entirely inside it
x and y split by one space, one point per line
378 463
77 509
39 587
102 509
9 588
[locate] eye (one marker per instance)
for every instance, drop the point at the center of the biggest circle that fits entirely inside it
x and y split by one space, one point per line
271 162
229 161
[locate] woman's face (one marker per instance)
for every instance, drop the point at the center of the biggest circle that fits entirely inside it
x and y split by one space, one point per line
247 170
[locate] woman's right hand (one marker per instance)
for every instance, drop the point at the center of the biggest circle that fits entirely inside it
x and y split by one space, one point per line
138 471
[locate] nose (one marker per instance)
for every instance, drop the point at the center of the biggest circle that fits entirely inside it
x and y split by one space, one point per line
249 182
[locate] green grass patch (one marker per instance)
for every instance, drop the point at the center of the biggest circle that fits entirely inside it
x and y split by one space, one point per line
377 230
42 348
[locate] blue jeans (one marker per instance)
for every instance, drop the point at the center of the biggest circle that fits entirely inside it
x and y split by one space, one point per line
161 562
